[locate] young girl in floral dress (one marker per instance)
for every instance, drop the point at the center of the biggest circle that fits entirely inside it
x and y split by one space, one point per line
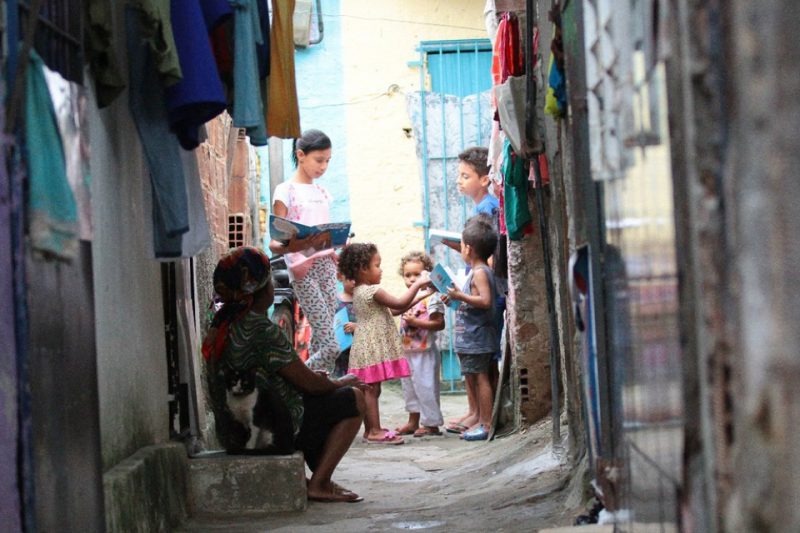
377 352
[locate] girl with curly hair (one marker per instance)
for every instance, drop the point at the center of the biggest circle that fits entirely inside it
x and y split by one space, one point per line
377 353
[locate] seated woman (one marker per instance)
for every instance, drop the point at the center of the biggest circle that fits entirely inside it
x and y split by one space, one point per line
321 415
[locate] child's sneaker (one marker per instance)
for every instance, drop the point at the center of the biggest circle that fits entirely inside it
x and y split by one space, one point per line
479 433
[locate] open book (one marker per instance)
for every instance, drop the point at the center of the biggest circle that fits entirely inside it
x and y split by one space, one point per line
443 278
444 236
282 229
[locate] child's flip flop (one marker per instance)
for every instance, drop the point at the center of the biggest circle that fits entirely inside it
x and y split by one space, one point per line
389 437
456 428
426 431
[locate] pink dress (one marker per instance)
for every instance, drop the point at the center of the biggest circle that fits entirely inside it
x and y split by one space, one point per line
377 351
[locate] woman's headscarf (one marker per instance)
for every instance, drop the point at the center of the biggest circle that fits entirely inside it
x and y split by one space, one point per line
239 274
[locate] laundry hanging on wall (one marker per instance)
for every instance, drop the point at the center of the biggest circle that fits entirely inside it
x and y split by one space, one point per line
52 211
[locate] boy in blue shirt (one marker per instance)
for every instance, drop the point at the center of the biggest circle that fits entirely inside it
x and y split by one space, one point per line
473 180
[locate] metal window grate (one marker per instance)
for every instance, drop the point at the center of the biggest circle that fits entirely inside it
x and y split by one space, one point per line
58 34
235 230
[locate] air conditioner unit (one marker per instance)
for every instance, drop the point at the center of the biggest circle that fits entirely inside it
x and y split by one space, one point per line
302 23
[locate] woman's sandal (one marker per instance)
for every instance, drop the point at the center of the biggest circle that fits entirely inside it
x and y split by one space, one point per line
337 494
336 497
428 431
352 496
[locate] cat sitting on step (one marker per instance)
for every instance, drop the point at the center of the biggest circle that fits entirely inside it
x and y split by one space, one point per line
266 424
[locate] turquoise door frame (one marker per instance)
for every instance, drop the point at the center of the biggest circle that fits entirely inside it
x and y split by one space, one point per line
460 69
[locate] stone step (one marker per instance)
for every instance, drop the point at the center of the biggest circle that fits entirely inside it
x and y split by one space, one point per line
246 485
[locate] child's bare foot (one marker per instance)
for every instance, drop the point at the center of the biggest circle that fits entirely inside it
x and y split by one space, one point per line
383 436
427 431
468 422
407 429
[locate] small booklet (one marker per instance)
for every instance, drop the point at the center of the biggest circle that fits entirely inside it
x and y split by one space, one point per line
444 236
282 229
443 278
344 339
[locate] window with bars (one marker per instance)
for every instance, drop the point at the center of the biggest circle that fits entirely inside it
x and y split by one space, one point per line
235 230
58 33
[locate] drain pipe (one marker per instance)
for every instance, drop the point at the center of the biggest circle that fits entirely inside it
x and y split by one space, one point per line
530 124
320 26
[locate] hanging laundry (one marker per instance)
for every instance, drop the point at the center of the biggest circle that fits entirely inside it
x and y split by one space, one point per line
215 12
248 110
506 54
283 114
263 47
518 216
199 96
198 238
69 104
218 15
556 98
99 50
156 29
544 171
53 215
170 211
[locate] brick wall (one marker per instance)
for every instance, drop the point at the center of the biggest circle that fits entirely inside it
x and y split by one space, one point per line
211 159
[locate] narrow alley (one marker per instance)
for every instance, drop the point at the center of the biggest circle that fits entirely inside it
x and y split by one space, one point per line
565 231
514 483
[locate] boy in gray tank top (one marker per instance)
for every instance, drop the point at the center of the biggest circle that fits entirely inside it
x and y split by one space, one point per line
475 324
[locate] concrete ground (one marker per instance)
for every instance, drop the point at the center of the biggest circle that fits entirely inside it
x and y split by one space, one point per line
515 483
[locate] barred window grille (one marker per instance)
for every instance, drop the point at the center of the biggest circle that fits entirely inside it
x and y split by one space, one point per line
235 230
58 34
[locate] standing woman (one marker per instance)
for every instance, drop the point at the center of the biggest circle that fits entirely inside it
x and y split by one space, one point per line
312 270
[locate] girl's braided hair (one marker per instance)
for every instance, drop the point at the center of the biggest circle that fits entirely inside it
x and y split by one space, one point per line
355 257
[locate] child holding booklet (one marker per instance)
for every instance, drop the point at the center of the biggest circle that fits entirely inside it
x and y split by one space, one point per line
312 266
475 325
377 353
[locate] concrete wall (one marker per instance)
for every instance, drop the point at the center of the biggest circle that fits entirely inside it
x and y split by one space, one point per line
132 364
762 185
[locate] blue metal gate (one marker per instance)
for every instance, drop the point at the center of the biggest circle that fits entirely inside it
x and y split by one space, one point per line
452 111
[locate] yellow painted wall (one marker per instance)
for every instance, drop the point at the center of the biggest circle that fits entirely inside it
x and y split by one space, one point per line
379 38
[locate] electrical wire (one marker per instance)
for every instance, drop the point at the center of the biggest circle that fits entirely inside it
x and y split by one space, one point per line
401 21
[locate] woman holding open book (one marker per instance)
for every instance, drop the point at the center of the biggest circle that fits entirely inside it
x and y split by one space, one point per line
311 261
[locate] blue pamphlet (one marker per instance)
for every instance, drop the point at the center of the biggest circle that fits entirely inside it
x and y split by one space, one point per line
282 229
445 237
443 278
344 339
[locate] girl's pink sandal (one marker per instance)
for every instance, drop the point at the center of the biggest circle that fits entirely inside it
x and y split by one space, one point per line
389 437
